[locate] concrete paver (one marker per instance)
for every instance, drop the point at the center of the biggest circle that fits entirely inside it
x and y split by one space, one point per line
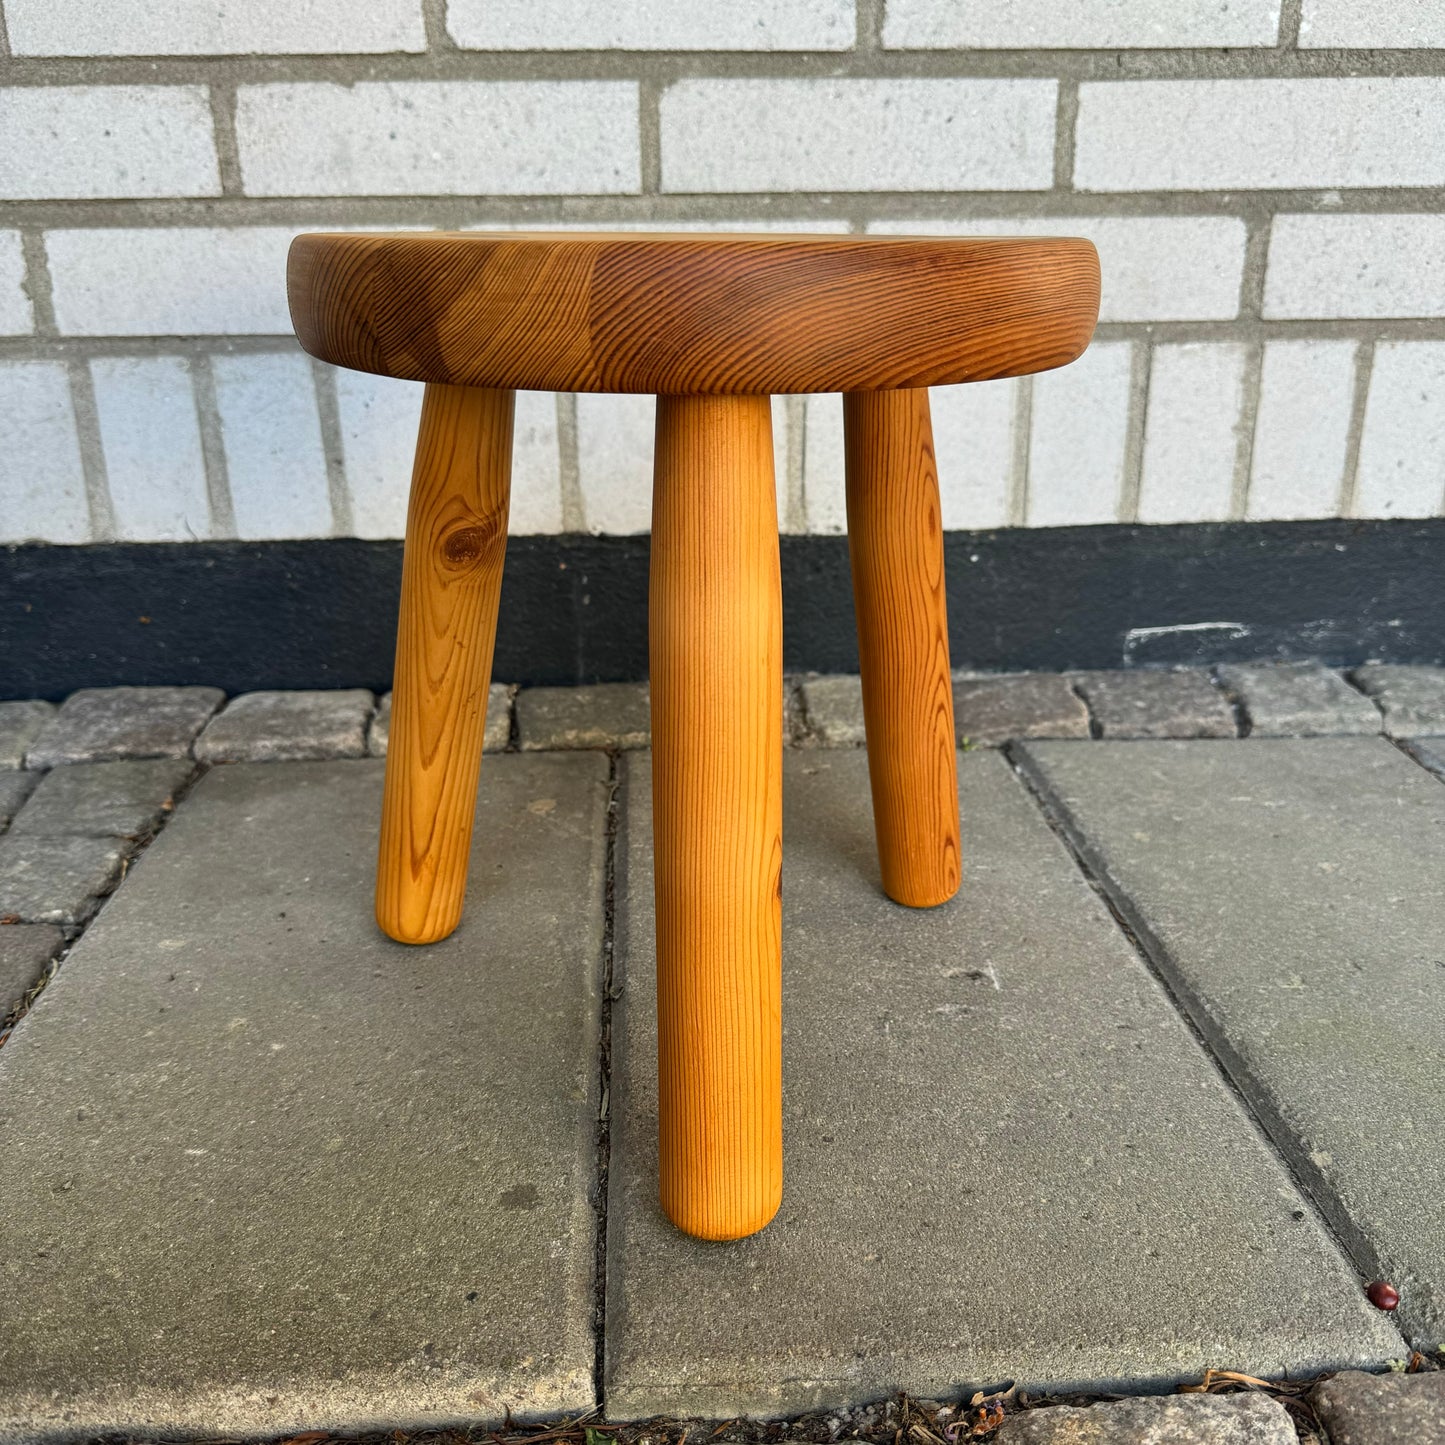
56 880
1145 704
1155 1420
271 727
610 715
1007 1157
25 949
1294 893
312 1179
15 788
102 724
1298 699
1022 705
119 800
20 724
495 734
1412 698
833 708
1431 752
1359 1409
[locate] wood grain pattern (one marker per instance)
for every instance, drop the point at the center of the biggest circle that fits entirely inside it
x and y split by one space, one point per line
716 653
895 548
456 539
568 311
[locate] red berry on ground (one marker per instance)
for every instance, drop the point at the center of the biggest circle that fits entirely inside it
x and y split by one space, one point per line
1383 1295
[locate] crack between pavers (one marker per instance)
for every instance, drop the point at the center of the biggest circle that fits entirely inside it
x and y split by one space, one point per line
1253 1098
604 1091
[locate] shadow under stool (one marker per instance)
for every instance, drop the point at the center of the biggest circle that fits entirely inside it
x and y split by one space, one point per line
713 326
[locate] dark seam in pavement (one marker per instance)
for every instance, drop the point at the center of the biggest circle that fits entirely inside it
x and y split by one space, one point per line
1407 746
604 1101
1243 722
138 845
1252 1097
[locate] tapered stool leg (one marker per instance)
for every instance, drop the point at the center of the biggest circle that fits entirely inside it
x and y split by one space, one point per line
456 539
716 654
895 546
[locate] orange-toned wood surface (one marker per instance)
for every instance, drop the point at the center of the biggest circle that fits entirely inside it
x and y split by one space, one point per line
456 539
570 311
895 549
716 652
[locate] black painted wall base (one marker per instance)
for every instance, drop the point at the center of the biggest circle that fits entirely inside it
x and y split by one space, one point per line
246 615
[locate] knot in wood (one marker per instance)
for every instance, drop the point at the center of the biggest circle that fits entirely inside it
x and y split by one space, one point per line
470 545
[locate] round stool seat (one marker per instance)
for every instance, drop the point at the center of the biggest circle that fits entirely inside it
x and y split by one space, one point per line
692 314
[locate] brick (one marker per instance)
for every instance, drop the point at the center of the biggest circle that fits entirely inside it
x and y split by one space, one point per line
20 724
379 417
1297 699
93 280
1361 1409
1366 24
1080 420
1183 704
824 485
1356 265
274 459
858 135
104 800
1431 753
42 481
1204 135
102 724
1301 430
973 442
93 142
1152 268
178 27
989 710
25 950
281 727
56 880
495 735
651 25
612 715
17 316
1191 432
1412 698
16 785
833 710
536 466
406 138
1178 1419
1077 25
154 466
1399 471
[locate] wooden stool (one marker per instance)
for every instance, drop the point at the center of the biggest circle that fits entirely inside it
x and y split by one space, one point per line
712 325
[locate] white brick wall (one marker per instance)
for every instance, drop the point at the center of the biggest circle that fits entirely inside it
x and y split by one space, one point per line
1152 268
1191 432
1329 266
17 316
392 138
1204 135
90 141
858 135
1402 449
42 481
152 442
652 25
1301 432
203 27
973 439
1376 24
1078 24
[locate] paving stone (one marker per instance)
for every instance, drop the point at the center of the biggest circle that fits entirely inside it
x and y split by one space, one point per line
1412 698
25 949
612 715
15 787
495 735
101 724
1431 752
20 724
1155 1420
833 707
1006 1155
118 800
291 1175
1182 704
56 880
1297 699
1293 892
989 710
277 727
1359 1409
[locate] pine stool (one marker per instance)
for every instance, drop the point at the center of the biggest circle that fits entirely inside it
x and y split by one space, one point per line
713 326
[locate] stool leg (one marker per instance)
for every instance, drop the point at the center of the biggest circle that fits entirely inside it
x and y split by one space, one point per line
451 578
715 620
895 547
